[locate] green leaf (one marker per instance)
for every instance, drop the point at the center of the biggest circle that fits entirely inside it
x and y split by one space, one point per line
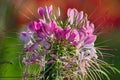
104 74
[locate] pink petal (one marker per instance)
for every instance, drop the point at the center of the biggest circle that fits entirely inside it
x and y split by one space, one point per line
79 17
71 14
24 37
49 9
45 44
90 39
32 47
50 62
41 11
45 12
58 33
74 37
54 56
53 26
66 32
31 27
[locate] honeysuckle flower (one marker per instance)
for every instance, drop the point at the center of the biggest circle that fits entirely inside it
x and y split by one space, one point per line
62 50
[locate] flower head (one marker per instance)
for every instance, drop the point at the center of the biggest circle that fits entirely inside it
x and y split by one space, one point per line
61 49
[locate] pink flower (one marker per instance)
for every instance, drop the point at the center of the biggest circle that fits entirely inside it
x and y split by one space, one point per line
87 38
50 61
90 29
82 34
55 29
79 17
35 58
25 37
74 15
71 13
74 37
58 33
63 58
42 63
66 64
87 28
45 44
54 56
47 36
66 32
53 26
32 47
45 12
44 30
35 26
90 39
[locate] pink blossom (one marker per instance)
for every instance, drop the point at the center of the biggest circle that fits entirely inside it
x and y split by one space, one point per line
66 64
48 35
45 44
50 61
74 37
58 32
42 63
90 39
55 29
25 37
71 13
45 12
66 32
32 47
79 17
34 26
54 56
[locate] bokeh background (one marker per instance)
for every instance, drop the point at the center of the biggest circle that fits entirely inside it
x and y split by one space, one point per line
16 14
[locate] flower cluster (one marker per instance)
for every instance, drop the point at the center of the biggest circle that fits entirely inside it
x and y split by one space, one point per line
61 50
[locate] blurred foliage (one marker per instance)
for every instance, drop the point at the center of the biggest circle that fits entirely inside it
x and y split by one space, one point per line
9 48
111 50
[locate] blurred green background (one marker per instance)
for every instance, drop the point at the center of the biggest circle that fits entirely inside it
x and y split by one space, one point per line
16 14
